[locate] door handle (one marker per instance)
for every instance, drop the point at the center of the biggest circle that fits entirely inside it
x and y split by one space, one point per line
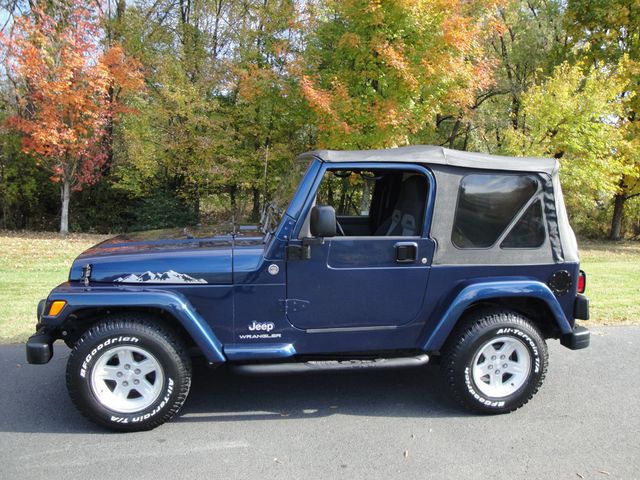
406 252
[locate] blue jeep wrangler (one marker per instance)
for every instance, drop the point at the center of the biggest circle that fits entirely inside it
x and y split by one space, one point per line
377 259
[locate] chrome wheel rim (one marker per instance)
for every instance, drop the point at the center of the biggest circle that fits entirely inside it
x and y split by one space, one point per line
501 366
127 379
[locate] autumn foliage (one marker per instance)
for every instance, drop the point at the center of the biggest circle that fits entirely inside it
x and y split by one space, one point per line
235 89
69 92
387 68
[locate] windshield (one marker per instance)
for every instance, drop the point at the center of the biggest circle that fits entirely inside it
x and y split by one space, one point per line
287 186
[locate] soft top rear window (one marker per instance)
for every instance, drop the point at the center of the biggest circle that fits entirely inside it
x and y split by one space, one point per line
487 203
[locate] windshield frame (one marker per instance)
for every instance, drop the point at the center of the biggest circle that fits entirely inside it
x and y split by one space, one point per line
284 198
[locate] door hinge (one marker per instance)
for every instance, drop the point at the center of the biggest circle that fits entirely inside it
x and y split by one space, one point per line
303 251
294 305
298 252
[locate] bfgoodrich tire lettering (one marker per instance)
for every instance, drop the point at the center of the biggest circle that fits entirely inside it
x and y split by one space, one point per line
487 341
115 353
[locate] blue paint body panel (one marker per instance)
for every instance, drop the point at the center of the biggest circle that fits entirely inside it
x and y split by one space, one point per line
120 259
241 299
259 352
357 283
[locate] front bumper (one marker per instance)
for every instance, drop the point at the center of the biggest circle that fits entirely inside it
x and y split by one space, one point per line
40 348
40 344
579 338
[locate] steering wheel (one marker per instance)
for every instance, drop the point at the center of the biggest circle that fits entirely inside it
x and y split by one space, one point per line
340 229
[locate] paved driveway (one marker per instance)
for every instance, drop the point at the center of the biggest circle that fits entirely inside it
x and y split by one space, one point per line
584 423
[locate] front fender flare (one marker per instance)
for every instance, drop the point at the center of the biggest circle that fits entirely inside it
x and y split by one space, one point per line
171 302
489 290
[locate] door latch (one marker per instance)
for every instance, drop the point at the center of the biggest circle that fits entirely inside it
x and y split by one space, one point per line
406 252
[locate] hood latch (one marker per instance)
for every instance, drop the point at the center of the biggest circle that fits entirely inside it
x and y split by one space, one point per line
86 274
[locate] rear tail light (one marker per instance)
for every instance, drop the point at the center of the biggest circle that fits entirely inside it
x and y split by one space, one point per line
582 281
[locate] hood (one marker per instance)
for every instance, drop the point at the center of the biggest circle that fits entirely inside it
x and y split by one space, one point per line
175 256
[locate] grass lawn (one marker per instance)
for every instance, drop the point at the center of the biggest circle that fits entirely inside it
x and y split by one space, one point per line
31 264
613 281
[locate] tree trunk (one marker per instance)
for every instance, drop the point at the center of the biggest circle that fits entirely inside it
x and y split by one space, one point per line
342 205
255 213
196 209
465 145
454 133
233 190
515 111
618 215
365 201
65 194
5 214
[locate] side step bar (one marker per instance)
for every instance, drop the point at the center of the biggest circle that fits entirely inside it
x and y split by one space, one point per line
331 365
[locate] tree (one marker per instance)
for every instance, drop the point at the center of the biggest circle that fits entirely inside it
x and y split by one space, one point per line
69 92
377 73
607 33
179 143
223 114
573 116
527 42
267 109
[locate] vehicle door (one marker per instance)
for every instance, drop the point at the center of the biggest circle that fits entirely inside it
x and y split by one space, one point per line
373 274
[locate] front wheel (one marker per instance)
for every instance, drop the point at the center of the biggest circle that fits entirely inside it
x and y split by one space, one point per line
129 373
495 361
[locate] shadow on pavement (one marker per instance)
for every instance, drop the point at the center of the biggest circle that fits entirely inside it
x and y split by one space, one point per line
224 395
34 397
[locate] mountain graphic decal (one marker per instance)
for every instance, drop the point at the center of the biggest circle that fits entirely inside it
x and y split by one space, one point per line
154 277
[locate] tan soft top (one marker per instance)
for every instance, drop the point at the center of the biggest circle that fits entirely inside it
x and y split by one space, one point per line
430 154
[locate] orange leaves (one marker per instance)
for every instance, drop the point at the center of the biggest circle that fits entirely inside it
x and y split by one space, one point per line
323 102
349 40
389 115
393 56
385 69
252 81
498 26
69 89
124 71
318 99
459 32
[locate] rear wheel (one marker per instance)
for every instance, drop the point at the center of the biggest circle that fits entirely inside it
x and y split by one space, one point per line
495 361
129 373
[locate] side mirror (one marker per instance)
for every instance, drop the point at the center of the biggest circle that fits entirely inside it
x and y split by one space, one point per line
323 221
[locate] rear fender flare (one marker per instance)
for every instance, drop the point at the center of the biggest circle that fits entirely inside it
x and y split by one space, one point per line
489 290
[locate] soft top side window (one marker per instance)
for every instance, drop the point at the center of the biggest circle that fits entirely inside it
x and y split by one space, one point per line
376 202
487 203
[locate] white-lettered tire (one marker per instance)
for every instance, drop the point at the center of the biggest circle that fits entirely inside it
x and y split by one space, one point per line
495 361
129 373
